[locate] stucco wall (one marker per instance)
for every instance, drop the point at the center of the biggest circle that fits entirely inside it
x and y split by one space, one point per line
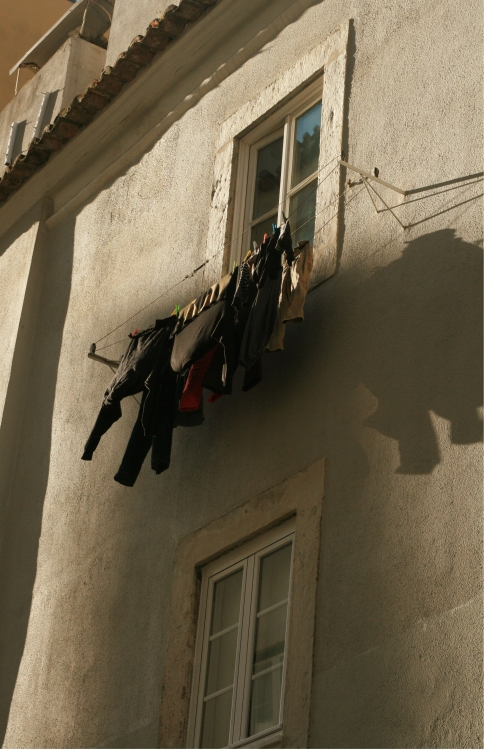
68 73
129 20
383 380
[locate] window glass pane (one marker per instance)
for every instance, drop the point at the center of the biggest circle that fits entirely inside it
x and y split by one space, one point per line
221 660
216 721
258 230
226 602
266 701
270 638
274 577
268 178
302 209
306 144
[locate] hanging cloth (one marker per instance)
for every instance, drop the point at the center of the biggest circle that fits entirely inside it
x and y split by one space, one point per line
294 288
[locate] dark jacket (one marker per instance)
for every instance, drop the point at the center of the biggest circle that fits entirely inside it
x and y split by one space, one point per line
260 323
213 324
141 369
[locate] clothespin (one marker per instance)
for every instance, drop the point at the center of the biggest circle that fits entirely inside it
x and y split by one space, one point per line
274 227
235 265
92 349
176 311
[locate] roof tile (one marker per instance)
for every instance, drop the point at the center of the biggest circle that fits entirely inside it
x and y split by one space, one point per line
190 10
108 84
139 53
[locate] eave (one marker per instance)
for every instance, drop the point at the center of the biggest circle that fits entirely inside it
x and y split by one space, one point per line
131 122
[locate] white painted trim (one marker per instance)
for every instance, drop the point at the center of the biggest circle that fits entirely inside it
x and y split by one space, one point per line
268 738
247 683
247 195
247 558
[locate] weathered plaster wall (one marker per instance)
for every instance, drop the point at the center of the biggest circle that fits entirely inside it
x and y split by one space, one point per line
15 258
129 20
383 380
68 73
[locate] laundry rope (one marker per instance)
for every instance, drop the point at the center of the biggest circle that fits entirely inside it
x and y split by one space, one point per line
198 268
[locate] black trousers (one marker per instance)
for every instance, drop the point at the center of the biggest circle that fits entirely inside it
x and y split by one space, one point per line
138 448
139 444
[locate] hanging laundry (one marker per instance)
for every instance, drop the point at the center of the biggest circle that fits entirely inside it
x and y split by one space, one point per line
210 326
217 292
139 370
192 391
155 433
243 284
294 288
186 418
170 363
260 324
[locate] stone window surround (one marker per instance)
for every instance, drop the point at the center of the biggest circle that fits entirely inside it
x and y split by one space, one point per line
327 62
300 497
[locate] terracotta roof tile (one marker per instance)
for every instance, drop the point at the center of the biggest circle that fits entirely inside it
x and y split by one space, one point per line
101 92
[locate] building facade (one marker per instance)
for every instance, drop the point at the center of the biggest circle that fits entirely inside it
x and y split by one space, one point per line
307 573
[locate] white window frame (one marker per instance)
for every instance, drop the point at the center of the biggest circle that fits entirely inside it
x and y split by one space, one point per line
281 122
246 557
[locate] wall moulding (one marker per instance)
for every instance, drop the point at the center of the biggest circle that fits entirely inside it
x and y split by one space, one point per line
300 496
327 63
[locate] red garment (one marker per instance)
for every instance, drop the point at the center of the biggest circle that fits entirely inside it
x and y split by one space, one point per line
192 392
214 397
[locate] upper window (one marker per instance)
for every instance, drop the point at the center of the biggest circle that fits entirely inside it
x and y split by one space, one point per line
239 671
282 176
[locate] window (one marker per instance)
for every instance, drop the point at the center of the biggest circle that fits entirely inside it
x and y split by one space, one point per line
278 168
240 665
203 554
283 177
279 110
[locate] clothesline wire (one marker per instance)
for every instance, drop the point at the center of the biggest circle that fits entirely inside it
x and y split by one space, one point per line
299 205
192 273
337 198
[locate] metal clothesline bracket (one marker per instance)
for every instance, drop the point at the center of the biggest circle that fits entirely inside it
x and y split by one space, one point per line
109 362
373 176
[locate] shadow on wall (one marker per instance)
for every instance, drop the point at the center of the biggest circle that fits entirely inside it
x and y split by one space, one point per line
419 326
393 553
30 399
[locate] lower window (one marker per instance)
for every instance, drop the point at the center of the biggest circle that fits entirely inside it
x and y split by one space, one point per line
241 644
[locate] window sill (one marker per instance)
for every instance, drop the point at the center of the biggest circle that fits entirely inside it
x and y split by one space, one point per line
269 738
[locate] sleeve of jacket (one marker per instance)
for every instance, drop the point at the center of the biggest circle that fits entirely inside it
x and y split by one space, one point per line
108 415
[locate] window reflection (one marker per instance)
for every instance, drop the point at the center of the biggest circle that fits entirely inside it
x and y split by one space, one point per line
306 144
268 178
302 209
270 640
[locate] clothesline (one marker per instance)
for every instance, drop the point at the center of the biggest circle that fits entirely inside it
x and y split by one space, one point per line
335 200
233 323
198 268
